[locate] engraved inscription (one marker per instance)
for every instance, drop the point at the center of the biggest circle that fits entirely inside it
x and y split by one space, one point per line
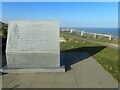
34 36
14 37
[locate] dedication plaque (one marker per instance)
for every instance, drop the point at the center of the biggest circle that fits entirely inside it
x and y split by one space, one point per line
33 45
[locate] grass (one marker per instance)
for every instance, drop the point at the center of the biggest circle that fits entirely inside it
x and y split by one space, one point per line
101 39
107 57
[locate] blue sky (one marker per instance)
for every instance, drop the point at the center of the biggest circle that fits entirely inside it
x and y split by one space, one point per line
69 14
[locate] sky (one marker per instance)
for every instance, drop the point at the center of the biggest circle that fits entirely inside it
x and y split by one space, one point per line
69 14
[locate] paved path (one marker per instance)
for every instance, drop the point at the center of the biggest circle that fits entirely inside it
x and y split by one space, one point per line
84 73
115 46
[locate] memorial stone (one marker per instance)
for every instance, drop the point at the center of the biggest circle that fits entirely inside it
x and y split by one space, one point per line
33 45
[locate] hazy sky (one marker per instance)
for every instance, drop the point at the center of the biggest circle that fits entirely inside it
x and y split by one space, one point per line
78 14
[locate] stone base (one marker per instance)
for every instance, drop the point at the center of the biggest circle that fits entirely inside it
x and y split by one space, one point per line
12 70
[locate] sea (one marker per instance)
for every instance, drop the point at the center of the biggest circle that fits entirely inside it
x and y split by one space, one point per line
112 31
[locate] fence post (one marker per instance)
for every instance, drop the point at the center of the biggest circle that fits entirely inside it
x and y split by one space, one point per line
71 30
110 37
82 33
95 35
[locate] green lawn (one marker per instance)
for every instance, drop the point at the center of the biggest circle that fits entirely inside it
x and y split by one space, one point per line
106 56
102 39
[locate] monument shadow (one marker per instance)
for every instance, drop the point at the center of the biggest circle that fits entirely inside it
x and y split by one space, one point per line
68 57
73 56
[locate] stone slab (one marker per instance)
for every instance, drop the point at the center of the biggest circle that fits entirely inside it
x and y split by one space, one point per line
33 45
11 70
